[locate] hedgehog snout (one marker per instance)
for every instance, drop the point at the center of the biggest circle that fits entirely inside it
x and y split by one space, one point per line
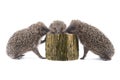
47 30
67 30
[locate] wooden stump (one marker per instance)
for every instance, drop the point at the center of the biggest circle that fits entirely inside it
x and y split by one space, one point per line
62 47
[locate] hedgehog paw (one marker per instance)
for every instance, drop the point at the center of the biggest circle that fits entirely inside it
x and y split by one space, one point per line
43 57
82 58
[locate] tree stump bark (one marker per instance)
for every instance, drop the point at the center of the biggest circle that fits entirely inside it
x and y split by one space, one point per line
61 47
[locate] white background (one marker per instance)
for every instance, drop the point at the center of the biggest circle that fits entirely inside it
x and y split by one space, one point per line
19 14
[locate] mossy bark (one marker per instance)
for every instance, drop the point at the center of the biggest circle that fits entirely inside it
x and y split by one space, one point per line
62 47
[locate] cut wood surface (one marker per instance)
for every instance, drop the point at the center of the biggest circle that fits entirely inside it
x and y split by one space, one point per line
61 47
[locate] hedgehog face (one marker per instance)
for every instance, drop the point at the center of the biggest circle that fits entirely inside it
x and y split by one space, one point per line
72 29
43 30
39 28
57 27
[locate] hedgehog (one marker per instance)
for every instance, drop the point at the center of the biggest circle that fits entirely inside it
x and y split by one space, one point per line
26 40
57 27
92 39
